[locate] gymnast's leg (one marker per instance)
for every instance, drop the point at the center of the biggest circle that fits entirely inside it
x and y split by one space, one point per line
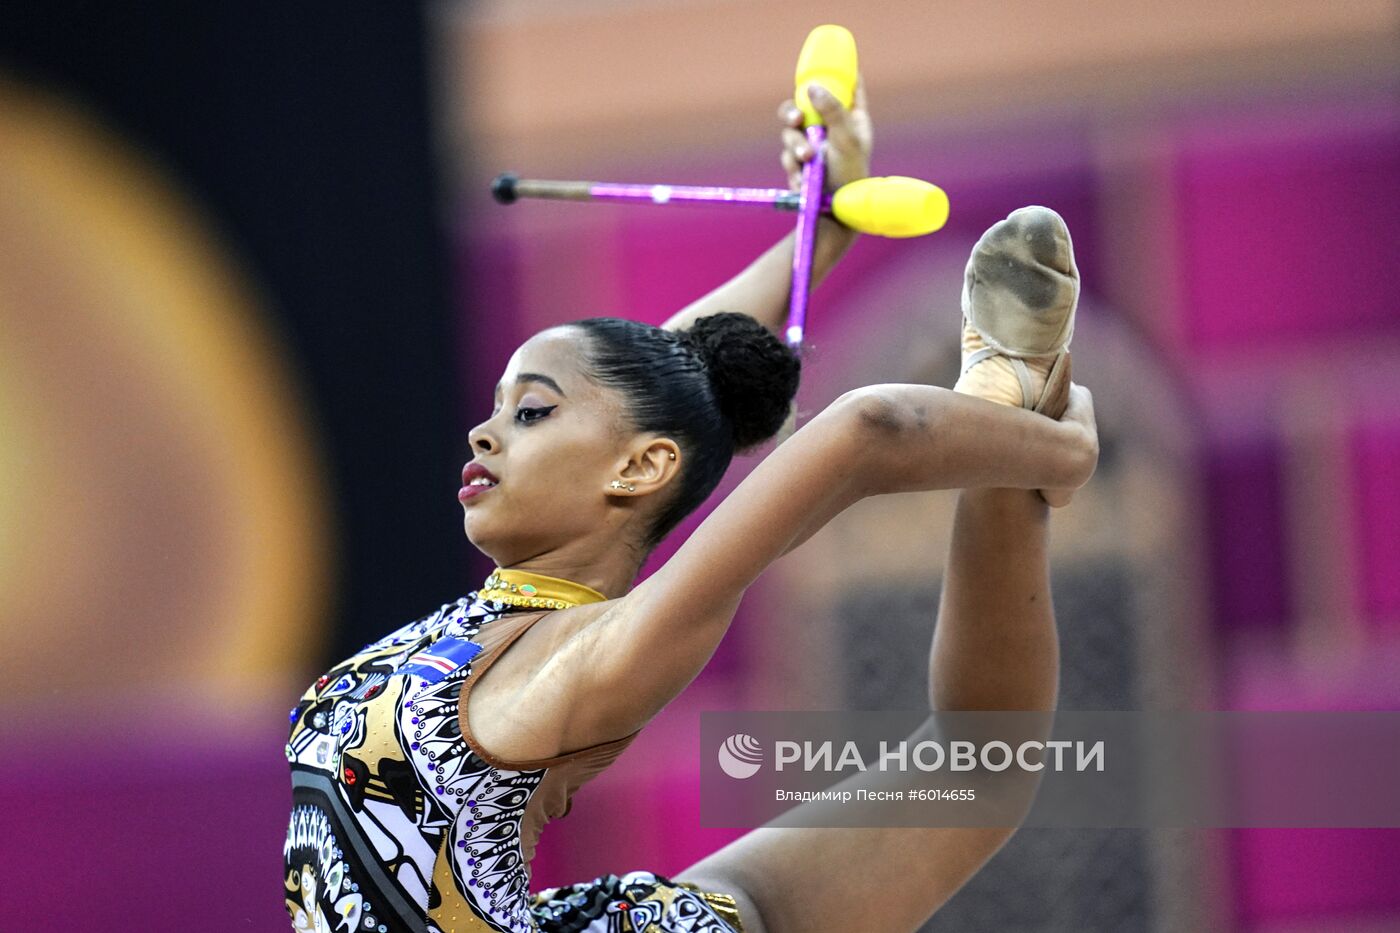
994 648
995 645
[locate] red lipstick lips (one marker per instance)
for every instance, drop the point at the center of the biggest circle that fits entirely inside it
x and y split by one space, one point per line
472 481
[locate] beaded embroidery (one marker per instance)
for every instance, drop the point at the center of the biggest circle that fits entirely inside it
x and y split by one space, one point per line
536 591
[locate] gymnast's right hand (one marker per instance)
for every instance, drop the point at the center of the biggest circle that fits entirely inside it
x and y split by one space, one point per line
849 138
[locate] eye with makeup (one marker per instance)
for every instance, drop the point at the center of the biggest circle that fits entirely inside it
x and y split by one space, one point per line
525 415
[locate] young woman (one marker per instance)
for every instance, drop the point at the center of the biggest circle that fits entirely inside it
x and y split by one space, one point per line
421 784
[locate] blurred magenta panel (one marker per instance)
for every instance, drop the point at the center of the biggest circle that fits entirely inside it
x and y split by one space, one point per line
1289 235
135 832
672 260
1376 504
1245 514
1296 875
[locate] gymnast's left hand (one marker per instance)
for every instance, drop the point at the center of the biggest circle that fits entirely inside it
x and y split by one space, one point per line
849 138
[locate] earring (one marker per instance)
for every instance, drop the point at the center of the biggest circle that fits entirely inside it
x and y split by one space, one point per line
631 488
671 454
616 484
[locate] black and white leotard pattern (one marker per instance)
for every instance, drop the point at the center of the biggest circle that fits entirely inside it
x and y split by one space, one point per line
397 824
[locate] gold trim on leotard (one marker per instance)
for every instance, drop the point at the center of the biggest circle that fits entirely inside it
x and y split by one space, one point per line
536 590
720 903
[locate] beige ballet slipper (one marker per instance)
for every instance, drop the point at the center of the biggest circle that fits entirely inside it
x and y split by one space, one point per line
1020 292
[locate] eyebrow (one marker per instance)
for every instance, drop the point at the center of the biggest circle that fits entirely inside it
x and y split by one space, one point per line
536 377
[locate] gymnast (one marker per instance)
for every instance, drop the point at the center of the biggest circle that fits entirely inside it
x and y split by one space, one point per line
421 785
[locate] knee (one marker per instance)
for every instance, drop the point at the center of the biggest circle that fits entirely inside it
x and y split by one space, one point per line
749 915
724 882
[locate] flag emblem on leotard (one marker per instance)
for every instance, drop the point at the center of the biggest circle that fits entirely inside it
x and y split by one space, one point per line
440 659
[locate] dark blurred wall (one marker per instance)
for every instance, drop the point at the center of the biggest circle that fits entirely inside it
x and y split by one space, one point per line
303 131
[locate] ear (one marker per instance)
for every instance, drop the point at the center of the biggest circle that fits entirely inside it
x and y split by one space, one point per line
650 465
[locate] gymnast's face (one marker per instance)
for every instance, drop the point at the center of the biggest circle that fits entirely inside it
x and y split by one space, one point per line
552 444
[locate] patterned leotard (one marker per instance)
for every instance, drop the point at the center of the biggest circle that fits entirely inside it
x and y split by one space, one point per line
400 822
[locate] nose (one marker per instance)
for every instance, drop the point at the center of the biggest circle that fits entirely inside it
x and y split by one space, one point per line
482 439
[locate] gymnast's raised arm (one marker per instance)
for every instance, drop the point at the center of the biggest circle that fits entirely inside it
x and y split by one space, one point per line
761 291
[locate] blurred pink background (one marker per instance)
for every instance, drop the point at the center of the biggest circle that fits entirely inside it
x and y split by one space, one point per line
1230 177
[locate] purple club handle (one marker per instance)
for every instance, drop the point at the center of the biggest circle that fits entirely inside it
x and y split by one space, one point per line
689 194
778 198
809 208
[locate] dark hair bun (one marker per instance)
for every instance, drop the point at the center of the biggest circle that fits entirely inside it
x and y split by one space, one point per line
754 374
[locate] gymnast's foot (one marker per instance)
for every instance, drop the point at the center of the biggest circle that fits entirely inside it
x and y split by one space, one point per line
1019 295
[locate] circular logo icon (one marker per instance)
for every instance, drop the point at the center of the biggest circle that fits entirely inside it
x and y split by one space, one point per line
740 756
